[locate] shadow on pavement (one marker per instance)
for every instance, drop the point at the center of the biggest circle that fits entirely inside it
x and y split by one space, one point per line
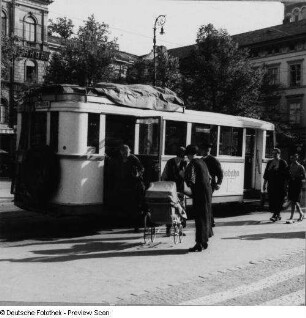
24 225
72 241
235 209
262 236
241 223
79 253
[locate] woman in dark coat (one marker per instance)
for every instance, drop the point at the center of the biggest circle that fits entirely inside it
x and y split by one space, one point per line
297 175
198 179
276 176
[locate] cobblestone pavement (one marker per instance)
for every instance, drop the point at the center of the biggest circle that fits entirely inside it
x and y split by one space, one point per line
271 282
62 260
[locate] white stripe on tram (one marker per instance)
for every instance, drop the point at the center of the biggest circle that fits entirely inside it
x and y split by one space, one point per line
246 289
293 299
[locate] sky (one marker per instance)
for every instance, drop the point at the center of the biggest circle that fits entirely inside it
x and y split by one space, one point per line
132 21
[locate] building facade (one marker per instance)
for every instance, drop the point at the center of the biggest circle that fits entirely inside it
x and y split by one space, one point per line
282 50
26 22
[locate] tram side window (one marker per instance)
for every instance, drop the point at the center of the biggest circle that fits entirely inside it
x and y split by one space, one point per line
269 143
202 134
230 141
54 131
148 136
39 129
176 132
93 133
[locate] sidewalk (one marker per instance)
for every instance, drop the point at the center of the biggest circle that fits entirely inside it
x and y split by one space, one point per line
78 260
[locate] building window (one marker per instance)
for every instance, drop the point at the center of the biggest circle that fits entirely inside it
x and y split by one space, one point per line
295 72
93 133
202 134
231 141
30 29
30 72
176 132
273 75
295 113
4 22
295 15
3 111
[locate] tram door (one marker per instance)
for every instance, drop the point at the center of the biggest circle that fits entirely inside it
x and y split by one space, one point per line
249 158
118 130
148 132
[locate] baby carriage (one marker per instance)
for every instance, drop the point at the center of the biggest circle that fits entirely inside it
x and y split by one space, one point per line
165 207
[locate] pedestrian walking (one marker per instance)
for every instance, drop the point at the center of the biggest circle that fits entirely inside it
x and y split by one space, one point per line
296 177
276 176
215 171
198 179
174 171
131 185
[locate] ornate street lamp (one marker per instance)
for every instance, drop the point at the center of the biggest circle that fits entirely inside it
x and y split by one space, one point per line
159 22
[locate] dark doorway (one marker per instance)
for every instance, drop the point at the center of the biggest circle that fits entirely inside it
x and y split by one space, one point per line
119 130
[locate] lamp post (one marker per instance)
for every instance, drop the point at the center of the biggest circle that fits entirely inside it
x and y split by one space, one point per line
159 21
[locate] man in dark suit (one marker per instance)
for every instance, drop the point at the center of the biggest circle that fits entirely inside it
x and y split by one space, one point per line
198 180
215 171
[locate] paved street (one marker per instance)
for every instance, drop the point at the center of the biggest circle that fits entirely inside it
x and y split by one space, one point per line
64 260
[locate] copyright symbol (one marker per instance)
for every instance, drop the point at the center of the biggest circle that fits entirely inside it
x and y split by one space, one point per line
2 312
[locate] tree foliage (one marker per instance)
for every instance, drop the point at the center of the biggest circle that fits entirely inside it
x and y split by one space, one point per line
9 51
167 71
219 77
62 27
86 58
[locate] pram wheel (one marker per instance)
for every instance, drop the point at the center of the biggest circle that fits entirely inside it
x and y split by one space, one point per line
149 230
177 233
145 229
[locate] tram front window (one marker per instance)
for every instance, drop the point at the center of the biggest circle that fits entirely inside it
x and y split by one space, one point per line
24 137
148 136
93 133
39 129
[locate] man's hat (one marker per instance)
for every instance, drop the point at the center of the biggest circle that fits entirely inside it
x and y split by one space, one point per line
191 150
207 145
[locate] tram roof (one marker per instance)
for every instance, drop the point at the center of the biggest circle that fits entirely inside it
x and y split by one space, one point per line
141 101
136 96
